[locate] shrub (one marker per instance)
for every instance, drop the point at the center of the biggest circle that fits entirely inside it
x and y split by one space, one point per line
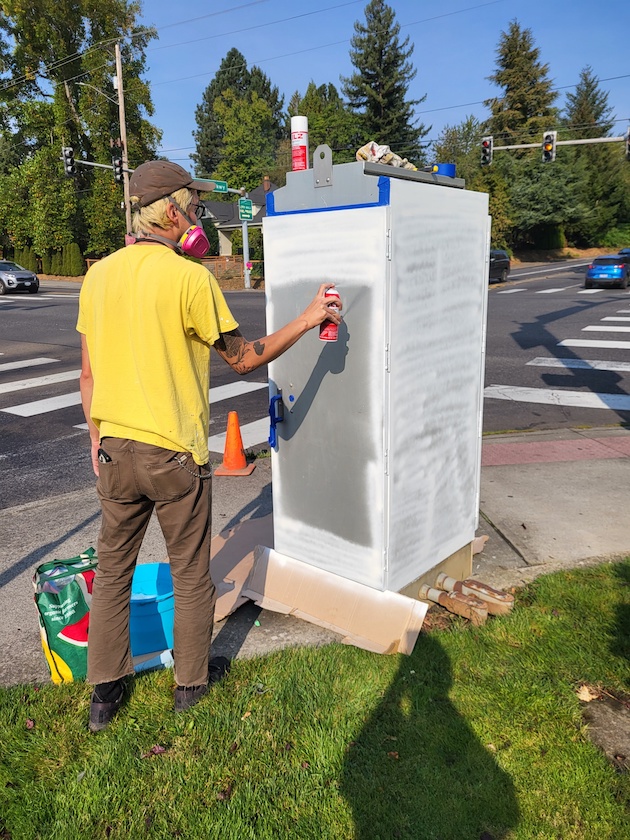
55 263
46 261
73 265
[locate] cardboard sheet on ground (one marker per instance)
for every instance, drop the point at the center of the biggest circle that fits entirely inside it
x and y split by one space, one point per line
232 559
383 622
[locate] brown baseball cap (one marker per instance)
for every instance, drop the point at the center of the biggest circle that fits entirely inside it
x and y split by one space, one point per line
156 179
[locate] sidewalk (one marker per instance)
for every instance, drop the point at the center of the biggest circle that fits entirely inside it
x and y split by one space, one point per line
549 501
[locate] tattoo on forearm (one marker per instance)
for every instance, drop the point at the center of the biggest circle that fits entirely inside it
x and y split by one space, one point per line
233 346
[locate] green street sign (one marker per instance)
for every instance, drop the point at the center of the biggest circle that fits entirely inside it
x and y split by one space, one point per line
219 186
245 209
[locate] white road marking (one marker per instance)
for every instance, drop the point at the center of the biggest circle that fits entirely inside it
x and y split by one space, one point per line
614 318
601 345
543 396
579 364
234 389
552 270
590 291
42 360
598 328
37 381
551 291
218 394
510 291
251 433
44 406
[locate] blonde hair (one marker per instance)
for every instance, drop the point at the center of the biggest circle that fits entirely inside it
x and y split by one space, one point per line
154 214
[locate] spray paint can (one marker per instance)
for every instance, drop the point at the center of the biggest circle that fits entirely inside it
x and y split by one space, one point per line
299 143
328 330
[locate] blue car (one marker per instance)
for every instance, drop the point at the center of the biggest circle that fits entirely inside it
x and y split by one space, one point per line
613 270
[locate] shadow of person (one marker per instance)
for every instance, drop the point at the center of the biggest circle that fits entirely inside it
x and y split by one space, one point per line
417 770
620 642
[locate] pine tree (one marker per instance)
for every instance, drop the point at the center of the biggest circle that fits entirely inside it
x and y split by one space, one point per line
234 76
587 112
524 110
600 167
377 91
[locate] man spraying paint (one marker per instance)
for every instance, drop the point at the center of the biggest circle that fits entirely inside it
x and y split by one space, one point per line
148 318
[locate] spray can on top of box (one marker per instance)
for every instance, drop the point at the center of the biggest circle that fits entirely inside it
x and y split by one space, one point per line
328 330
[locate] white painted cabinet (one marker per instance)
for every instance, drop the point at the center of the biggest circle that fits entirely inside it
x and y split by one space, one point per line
377 460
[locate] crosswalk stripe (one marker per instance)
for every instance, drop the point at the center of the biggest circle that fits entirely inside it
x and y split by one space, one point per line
43 406
234 389
579 364
551 291
218 394
42 360
38 381
544 396
614 318
252 434
588 342
590 291
598 328
510 291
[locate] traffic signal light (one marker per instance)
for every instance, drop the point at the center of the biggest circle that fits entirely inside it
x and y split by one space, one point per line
549 146
117 165
69 166
486 150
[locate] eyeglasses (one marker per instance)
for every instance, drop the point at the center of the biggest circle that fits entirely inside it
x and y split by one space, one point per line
198 208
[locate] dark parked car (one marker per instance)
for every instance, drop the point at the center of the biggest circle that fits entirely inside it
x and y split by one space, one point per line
624 252
613 270
499 266
14 278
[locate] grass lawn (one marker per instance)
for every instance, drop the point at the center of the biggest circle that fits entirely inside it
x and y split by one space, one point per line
478 735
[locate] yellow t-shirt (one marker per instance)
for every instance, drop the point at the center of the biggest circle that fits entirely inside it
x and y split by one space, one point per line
150 318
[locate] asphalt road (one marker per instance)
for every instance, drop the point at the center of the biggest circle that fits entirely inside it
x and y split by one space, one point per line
554 352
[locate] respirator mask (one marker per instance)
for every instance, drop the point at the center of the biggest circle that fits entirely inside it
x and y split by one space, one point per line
194 241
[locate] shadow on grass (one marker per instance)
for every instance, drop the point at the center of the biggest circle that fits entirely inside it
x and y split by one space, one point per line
417 770
620 644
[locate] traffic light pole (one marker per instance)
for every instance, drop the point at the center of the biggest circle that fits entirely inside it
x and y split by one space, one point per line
565 143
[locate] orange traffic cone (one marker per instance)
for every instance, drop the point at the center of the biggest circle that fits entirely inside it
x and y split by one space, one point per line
234 462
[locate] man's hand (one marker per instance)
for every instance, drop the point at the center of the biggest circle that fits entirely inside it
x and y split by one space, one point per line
244 356
323 308
95 447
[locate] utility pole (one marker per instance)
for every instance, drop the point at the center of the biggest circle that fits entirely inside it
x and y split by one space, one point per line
123 135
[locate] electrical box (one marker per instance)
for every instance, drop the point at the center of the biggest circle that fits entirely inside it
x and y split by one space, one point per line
376 462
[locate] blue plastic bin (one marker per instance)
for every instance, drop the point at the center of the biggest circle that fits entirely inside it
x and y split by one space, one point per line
152 609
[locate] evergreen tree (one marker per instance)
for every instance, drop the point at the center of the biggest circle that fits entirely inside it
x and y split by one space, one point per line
587 112
524 110
233 76
377 91
599 167
460 144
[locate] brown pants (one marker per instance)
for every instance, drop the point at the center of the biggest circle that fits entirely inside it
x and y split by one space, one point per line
138 478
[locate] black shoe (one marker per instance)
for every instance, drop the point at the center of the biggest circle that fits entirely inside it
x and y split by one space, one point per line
188 696
102 713
218 667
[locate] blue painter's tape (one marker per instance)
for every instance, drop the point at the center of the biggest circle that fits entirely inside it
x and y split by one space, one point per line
383 200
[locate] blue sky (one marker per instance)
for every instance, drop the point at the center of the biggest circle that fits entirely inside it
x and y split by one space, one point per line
294 42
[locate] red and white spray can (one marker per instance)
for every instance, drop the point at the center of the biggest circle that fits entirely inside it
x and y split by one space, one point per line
299 143
328 330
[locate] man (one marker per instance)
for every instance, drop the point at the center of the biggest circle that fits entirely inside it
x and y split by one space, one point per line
147 319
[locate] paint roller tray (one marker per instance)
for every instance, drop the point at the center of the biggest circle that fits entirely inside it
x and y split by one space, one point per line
152 609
